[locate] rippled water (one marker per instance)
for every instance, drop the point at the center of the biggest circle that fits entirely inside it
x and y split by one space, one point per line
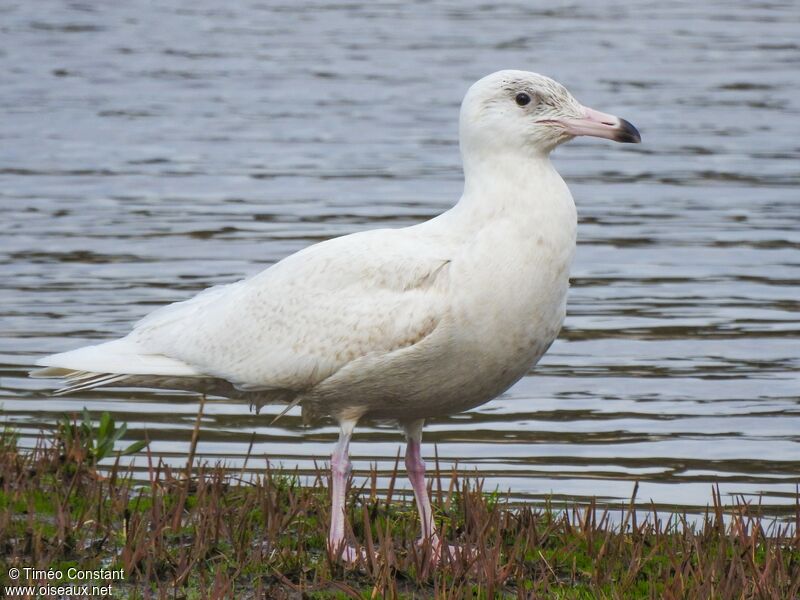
148 151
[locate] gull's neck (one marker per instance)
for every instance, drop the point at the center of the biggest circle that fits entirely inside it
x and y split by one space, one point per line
508 184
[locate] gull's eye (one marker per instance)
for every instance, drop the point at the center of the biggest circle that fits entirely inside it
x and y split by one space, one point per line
522 99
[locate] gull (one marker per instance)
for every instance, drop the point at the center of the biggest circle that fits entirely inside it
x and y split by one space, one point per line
390 324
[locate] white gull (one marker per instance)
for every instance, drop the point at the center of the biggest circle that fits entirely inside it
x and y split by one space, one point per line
403 324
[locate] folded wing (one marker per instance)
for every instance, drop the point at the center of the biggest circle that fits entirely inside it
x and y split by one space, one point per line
292 325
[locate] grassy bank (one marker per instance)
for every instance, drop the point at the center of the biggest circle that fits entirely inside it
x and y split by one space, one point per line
207 532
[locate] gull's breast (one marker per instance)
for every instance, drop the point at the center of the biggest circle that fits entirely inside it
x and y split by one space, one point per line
517 302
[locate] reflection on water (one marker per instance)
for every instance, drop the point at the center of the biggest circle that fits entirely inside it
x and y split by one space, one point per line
148 152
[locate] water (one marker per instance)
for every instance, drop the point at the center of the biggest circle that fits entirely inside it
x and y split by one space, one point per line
148 151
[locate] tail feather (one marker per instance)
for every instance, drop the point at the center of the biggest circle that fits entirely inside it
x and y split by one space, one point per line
91 367
60 373
81 383
124 356
108 363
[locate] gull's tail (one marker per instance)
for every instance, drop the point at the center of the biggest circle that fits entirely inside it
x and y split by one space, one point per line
110 363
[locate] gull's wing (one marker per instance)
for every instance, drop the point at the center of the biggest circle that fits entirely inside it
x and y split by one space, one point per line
304 318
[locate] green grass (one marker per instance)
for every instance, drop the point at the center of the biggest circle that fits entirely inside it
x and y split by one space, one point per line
203 533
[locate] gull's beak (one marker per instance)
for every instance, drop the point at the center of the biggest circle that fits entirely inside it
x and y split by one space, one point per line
602 125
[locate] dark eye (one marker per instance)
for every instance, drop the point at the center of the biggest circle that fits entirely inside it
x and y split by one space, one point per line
522 99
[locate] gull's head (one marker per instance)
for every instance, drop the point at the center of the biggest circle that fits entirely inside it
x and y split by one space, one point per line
519 111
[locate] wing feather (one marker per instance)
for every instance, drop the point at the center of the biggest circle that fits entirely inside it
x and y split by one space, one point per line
303 319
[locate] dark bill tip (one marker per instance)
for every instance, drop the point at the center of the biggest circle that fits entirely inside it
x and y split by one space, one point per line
627 133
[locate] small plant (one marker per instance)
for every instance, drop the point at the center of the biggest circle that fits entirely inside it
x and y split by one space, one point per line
83 443
8 439
8 436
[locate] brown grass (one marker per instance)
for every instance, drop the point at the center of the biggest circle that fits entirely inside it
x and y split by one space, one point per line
209 532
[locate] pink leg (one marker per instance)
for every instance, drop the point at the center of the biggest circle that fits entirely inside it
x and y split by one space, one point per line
340 472
415 467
